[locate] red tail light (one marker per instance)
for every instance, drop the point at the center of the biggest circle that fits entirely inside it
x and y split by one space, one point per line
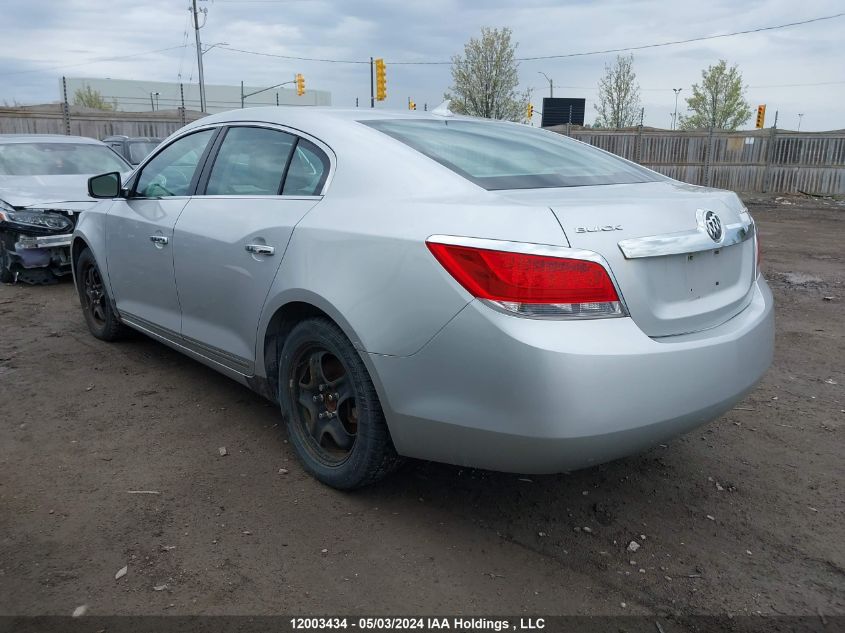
530 284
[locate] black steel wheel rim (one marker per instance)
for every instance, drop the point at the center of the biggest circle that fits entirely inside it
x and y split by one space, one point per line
94 294
324 404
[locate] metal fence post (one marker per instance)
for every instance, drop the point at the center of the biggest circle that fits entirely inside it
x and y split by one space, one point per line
182 108
65 107
770 155
708 157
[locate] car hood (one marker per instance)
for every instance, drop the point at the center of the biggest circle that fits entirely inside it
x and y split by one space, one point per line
28 191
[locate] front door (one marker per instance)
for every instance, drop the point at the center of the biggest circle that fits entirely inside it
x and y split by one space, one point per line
139 235
230 239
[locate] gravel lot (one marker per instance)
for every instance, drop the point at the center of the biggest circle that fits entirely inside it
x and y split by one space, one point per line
743 516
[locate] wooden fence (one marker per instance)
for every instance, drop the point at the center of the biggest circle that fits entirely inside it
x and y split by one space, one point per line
78 121
763 160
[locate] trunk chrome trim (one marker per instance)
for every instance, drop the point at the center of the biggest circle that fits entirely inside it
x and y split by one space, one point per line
684 242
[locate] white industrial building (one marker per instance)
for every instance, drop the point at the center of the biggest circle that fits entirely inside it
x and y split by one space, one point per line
132 95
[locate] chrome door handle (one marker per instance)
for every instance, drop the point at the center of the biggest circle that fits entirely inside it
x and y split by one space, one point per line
260 249
159 240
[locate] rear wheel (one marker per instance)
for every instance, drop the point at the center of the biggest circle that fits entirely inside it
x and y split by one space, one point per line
96 303
334 418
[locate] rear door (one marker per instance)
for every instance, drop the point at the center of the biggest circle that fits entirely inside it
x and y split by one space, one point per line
139 234
230 239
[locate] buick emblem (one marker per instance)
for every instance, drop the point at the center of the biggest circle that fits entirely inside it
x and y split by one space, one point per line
713 225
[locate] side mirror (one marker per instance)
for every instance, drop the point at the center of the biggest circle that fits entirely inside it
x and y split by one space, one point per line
104 185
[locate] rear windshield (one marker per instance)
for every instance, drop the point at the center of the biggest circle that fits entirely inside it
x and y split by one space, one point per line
497 155
55 159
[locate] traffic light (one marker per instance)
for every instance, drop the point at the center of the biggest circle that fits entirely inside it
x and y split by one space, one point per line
529 111
381 80
761 116
412 105
300 84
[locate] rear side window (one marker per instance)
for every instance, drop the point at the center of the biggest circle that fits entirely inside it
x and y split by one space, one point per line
497 155
251 162
308 170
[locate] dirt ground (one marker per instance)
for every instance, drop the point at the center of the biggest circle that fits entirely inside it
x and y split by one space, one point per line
743 516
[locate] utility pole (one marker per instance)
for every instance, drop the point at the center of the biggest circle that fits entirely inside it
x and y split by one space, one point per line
551 84
182 109
675 116
372 93
197 28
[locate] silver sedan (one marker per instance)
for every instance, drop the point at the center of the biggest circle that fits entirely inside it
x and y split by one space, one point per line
425 285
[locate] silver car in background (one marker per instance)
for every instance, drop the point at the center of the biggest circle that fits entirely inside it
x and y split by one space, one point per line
43 189
432 286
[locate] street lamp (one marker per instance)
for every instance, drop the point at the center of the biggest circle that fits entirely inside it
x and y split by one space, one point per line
677 91
208 48
800 116
551 84
153 103
249 94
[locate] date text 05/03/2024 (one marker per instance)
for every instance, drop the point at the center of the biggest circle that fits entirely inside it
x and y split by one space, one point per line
420 624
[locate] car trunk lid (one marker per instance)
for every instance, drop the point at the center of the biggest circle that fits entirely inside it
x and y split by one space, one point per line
673 276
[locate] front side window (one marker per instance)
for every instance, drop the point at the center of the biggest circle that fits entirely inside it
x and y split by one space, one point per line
309 168
251 162
171 171
497 155
57 159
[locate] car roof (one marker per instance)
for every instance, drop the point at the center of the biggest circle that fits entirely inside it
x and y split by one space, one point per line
123 137
46 138
324 122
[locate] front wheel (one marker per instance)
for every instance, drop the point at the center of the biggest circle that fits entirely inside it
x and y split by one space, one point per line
96 303
334 418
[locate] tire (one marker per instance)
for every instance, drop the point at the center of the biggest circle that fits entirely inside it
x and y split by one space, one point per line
96 303
321 374
6 275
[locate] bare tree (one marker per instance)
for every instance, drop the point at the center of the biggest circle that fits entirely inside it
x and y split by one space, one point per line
719 101
485 78
90 98
619 95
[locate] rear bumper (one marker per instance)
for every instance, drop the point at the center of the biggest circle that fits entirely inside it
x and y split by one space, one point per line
514 394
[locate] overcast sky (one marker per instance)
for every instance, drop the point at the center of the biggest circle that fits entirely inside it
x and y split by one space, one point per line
40 40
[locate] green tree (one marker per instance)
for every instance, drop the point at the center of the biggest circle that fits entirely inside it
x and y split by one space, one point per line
619 95
719 101
90 98
485 78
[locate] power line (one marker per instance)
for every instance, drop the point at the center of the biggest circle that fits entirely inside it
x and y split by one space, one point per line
304 59
557 56
686 41
666 89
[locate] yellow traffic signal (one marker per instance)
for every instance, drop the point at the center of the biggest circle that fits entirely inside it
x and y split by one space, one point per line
381 80
529 111
300 84
761 115
412 105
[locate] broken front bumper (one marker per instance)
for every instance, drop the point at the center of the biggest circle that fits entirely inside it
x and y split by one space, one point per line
38 259
43 241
